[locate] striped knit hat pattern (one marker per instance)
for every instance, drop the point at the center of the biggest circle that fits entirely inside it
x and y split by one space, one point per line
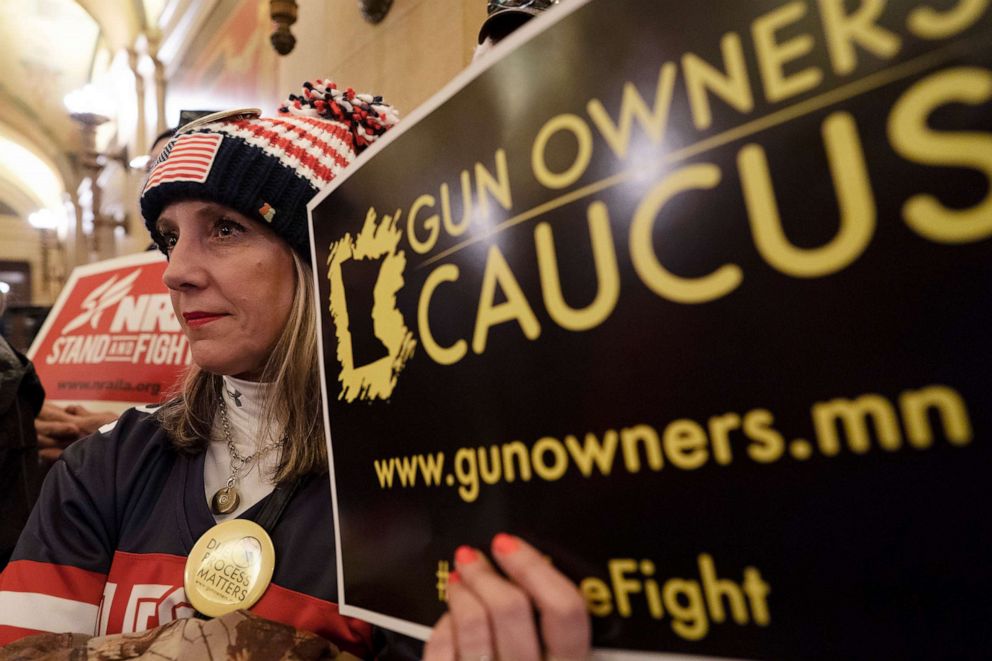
267 168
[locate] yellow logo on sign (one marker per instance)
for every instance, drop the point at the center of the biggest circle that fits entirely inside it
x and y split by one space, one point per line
377 240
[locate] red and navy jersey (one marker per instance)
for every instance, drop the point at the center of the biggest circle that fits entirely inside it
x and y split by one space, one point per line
105 547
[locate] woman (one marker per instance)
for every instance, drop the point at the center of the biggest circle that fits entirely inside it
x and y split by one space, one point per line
107 547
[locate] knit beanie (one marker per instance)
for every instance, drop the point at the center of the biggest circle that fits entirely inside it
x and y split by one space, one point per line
267 168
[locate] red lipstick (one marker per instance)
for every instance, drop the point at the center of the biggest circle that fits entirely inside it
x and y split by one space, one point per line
197 318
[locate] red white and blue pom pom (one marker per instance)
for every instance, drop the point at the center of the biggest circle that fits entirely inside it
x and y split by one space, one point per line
366 116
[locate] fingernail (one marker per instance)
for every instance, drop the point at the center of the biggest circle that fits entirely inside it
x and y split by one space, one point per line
504 543
465 555
453 577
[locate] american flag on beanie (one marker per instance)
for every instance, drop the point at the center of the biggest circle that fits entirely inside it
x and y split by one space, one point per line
187 158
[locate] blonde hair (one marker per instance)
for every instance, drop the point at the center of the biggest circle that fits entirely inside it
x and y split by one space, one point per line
294 401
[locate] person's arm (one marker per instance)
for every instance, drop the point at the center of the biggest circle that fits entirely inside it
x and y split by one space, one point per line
492 617
57 573
58 427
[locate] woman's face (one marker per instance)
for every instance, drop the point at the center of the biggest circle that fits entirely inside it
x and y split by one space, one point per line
232 280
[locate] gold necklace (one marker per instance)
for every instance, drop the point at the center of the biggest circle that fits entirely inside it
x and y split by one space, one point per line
226 499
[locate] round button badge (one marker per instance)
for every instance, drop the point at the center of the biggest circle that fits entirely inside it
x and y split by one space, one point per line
229 568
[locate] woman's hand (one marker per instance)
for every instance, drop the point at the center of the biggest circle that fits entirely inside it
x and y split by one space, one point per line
491 617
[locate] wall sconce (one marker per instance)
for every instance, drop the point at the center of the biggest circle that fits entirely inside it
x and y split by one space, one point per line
50 224
374 11
90 108
284 14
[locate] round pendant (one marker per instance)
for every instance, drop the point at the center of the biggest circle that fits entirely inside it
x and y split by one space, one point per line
230 567
225 500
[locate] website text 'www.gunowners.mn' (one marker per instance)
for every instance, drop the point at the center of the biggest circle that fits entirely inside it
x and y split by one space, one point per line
913 420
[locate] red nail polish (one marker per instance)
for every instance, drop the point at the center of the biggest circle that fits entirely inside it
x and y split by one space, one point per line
465 555
504 543
453 577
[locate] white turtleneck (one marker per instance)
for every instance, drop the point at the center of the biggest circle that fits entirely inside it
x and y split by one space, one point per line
244 400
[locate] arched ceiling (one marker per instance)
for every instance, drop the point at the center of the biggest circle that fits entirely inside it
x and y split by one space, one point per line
52 47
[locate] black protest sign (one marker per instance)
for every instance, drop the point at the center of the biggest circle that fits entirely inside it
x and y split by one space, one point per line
695 298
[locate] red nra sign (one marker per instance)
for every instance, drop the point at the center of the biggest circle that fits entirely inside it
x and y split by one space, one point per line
112 335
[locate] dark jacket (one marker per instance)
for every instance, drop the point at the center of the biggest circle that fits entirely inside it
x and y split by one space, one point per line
21 397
